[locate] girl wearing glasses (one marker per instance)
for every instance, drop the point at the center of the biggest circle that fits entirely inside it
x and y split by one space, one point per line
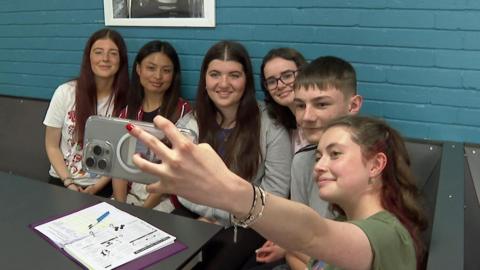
278 72
228 118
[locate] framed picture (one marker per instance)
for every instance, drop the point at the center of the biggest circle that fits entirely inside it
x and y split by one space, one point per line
181 13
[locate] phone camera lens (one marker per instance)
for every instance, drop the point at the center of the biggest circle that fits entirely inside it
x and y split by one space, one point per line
102 164
90 162
97 150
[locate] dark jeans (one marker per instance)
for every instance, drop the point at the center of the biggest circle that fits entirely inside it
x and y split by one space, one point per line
106 191
221 252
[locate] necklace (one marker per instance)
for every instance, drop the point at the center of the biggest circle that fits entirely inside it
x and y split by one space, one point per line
102 104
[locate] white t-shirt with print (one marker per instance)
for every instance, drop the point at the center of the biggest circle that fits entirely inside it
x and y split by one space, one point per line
61 114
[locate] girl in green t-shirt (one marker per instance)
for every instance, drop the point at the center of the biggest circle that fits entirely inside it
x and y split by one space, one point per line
362 169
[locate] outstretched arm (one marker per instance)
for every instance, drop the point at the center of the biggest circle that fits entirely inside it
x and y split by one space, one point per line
195 171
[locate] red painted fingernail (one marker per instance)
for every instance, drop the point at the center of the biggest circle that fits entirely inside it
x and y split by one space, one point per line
129 127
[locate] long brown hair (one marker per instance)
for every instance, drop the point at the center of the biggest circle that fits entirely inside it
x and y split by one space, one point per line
172 94
242 148
86 90
399 193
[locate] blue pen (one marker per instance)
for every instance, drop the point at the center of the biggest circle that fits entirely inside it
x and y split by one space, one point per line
99 219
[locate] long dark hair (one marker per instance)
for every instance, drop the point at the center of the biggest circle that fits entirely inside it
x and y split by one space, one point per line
399 193
242 149
172 94
277 112
86 90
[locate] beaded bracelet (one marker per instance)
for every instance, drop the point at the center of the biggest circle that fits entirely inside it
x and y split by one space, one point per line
250 213
254 201
252 217
250 220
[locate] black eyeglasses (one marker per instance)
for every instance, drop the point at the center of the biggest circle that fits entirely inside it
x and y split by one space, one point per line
286 77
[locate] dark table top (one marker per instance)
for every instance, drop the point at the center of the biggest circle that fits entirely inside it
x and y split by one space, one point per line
26 201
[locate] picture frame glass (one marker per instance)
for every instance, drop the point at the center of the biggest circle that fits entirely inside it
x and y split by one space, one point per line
181 13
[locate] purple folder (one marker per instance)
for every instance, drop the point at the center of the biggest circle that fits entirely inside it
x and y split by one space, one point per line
139 263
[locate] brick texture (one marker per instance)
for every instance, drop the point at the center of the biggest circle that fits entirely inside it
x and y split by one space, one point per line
417 60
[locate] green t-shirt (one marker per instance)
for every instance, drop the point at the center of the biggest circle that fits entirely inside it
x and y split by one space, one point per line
391 243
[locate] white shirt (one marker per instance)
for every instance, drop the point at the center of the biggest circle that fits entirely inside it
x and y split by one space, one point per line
61 114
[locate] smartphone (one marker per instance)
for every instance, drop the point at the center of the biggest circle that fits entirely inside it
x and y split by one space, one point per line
109 148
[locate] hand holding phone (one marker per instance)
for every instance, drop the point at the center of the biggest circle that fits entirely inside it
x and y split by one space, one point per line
109 148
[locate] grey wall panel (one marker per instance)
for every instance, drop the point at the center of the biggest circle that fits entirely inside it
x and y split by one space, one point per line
446 250
22 150
425 157
472 207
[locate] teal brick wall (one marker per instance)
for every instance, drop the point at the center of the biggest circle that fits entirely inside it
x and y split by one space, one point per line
418 61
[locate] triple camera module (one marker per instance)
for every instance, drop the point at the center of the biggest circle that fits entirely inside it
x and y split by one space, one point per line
109 149
99 156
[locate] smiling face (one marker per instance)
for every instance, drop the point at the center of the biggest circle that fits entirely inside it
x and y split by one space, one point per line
225 83
104 59
341 172
279 68
315 107
155 73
